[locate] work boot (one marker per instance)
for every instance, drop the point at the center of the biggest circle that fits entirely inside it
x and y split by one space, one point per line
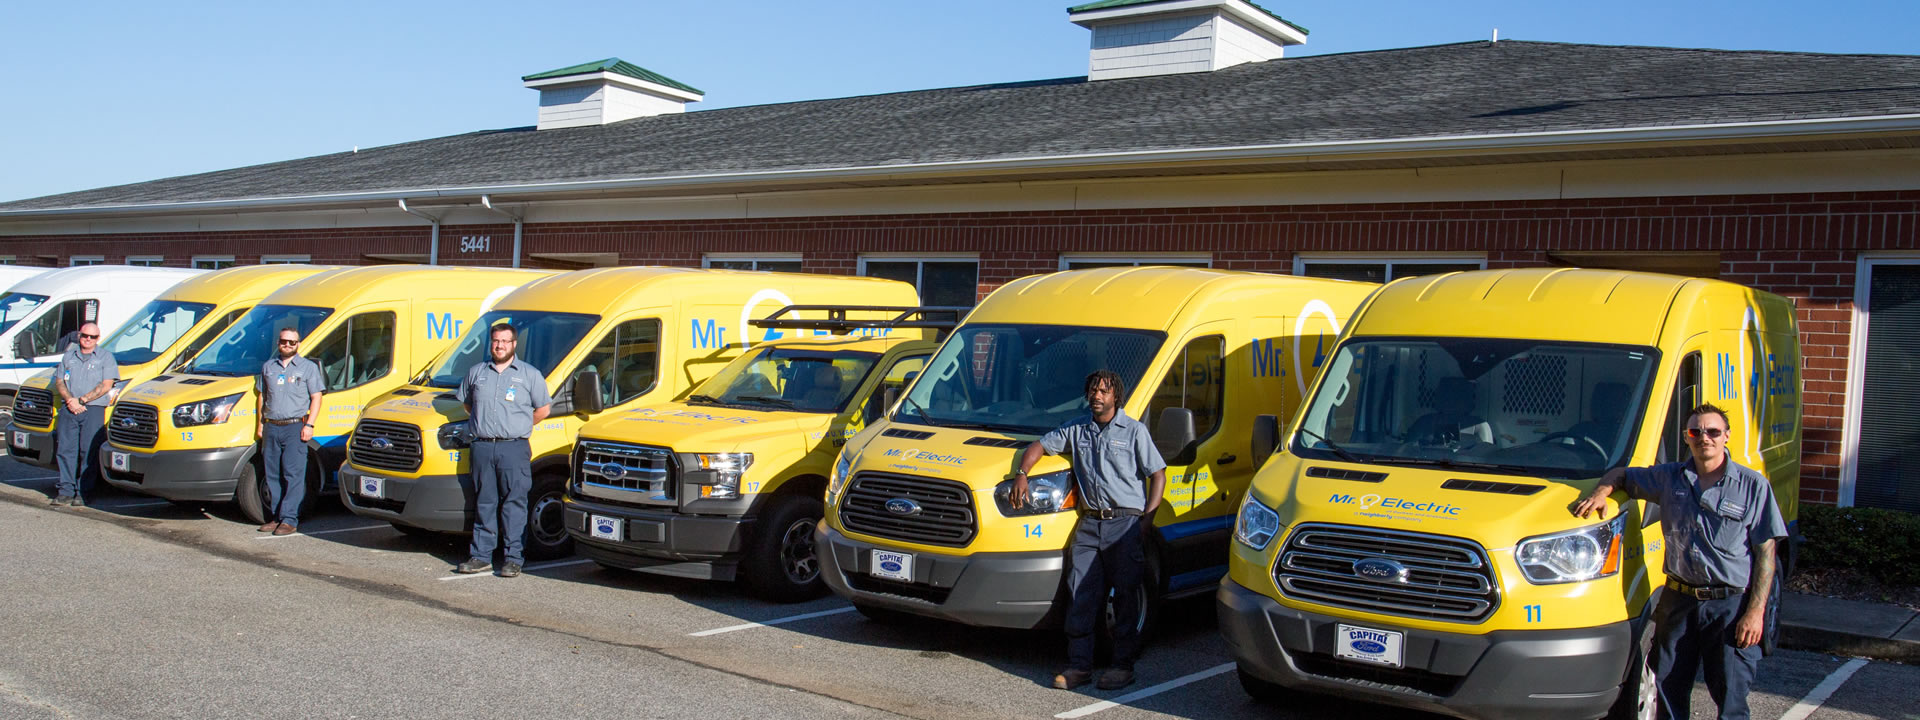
510 570
1115 678
62 500
473 566
1070 679
269 527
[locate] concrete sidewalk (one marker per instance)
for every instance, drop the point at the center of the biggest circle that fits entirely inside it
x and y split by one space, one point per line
1849 627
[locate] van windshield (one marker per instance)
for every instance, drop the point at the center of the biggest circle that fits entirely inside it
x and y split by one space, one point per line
154 329
1519 407
544 339
245 346
15 307
1022 378
789 379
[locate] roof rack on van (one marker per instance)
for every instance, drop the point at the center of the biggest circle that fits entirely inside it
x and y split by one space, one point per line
941 318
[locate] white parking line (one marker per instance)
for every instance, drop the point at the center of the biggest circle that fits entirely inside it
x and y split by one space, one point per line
15 481
1147 692
778 621
325 532
523 568
1824 690
151 503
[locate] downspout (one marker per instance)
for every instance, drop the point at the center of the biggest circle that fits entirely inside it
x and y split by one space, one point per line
486 201
433 248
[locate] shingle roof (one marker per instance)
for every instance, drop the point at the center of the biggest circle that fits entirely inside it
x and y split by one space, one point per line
618 67
1466 89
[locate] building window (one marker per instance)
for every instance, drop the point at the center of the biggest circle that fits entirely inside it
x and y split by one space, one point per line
768 262
212 262
146 260
9 260
1083 261
84 260
1373 268
1883 386
285 259
949 281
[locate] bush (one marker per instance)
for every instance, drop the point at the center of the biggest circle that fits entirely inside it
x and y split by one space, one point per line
1883 544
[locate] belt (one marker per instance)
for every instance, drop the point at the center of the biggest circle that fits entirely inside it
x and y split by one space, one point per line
1109 513
288 421
481 439
1696 592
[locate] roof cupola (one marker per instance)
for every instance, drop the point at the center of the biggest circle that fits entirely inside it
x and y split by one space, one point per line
1133 38
606 91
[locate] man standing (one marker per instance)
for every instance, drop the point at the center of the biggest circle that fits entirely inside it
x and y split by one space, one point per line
504 399
1119 477
288 396
84 380
1721 522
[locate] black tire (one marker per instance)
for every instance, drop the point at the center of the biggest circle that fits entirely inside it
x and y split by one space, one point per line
6 410
1260 690
782 563
250 493
1639 694
1147 621
547 536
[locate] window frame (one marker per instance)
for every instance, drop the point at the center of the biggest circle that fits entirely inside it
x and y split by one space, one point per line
86 260
346 325
659 329
1138 259
920 261
1191 453
707 260
288 259
146 260
1302 260
1851 414
196 261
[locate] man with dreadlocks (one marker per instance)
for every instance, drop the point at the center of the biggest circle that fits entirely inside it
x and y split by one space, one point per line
1119 477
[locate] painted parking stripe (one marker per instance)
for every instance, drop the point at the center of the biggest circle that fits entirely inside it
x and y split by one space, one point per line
777 621
325 532
1824 690
150 503
523 568
15 481
1147 692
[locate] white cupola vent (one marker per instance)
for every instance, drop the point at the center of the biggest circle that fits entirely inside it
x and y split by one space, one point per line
607 91
1133 38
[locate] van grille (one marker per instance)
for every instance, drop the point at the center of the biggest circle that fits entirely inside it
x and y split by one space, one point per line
385 445
620 472
134 425
33 407
945 516
1447 579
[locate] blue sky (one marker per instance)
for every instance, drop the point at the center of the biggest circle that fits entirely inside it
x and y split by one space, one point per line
106 93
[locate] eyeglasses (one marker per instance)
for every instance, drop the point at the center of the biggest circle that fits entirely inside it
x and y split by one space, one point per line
84 336
284 341
1712 433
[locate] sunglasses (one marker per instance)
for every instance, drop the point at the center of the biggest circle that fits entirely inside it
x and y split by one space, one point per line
289 342
1712 433
84 336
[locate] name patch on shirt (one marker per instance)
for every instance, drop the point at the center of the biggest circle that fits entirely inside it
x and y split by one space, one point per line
1733 509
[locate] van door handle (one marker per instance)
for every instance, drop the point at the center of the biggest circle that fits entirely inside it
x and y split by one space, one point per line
1226 459
839 442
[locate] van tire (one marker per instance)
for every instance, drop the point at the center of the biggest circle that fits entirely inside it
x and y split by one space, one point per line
1151 588
1260 690
250 493
1640 694
547 536
782 563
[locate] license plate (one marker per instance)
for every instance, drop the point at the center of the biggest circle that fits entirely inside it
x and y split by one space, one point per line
1381 647
373 487
19 439
893 565
604 528
118 460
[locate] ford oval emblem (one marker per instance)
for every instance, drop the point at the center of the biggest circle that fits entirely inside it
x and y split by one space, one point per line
1380 570
903 506
382 444
890 566
125 422
1369 647
26 404
613 471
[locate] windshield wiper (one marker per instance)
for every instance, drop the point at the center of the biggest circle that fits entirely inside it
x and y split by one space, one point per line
708 399
1335 447
1457 464
767 400
215 373
922 412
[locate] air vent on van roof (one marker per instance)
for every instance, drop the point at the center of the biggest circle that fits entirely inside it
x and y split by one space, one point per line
406 392
1339 474
997 442
907 434
1489 486
163 378
197 381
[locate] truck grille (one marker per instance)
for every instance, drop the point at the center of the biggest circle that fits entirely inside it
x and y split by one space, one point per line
134 425
1447 579
385 445
620 472
33 407
945 515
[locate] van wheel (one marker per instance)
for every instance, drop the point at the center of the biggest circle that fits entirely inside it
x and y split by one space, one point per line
1145 621
783 563
1640 694
547 536
6 408
1260 690
250 493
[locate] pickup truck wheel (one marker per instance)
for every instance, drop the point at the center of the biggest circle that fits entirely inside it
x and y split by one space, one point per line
782 562
547 536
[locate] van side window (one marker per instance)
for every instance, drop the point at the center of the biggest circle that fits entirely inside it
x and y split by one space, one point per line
1686 396
213 331
894 379
44 335
1195 381
358 352
628 360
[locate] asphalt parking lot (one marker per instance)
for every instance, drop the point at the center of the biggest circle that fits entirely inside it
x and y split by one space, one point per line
135 607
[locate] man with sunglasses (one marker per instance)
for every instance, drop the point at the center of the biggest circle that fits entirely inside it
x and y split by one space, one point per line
84 380
1720 524
288 394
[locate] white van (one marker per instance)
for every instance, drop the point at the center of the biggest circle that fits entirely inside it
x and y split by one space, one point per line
37 311
10 274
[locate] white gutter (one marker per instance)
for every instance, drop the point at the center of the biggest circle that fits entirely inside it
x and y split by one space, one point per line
433 246
1504 141
486 201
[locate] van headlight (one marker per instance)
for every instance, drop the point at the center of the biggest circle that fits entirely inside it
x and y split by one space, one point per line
1046 494
205 412
838 480
719 476
454 435
1574 556
1257 524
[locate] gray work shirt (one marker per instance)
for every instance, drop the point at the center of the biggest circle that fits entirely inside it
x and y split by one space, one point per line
85 371
288 387
1710 535
502 402
1110 464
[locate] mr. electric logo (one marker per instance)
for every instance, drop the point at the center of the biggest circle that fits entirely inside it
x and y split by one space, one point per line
1392 506
916 454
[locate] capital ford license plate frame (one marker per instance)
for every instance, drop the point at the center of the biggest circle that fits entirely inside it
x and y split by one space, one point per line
605 528
371 486
19 438
893 565
1370 645
119 461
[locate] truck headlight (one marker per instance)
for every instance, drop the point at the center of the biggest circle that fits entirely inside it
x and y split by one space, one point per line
205 412
1257 524
721 479
838 480
1046 494
455 435
1573 556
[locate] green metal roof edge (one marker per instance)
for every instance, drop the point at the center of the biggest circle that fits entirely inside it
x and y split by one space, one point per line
1104 4
617 66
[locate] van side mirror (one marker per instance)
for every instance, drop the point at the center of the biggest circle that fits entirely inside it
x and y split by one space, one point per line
1266 438
23 345
1174 436
585 397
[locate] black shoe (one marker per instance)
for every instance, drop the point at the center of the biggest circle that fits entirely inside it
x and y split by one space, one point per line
77 501
473 566
510 570
62 500
1114 679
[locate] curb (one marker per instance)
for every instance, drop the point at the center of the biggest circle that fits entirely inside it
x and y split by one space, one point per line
1835 642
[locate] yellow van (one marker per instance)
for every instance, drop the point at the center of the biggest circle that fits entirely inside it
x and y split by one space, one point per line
369 328
642 335
727 484
1413 545
170 329
918 518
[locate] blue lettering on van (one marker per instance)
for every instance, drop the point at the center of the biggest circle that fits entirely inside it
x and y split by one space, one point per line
444 327
1319 350
1267 357
1729 376
1341 499
712 336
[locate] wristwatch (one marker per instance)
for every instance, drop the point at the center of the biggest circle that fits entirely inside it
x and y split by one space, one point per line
309 424
1021 473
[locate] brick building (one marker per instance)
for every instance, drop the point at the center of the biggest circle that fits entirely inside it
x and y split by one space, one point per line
1190 141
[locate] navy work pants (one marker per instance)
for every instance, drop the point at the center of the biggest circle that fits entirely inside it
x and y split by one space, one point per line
77 441
1689 633
1105 554
285 457
502 478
